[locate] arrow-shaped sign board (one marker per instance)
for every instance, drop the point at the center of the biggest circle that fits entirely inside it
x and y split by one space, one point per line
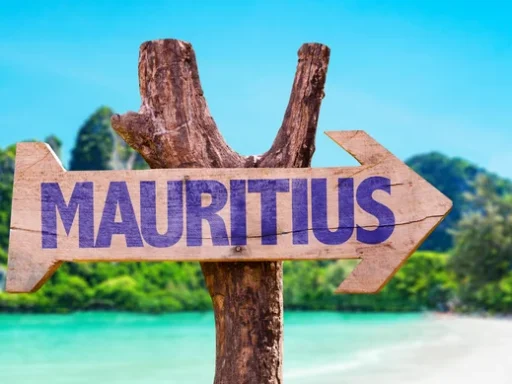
378 212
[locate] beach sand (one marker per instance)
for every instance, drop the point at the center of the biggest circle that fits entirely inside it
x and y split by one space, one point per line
445 349
479 351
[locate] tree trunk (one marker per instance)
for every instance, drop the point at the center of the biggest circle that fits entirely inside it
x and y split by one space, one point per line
174 129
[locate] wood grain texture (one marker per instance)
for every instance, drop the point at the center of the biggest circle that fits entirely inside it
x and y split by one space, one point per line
417 208
174 128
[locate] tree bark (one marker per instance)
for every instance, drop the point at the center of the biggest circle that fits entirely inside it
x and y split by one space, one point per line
174 129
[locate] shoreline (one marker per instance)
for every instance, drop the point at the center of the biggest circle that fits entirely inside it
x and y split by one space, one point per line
362 348
435 314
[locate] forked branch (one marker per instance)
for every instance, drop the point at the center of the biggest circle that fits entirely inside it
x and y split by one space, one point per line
174 129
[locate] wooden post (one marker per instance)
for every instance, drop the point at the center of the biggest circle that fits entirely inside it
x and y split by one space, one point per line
174 129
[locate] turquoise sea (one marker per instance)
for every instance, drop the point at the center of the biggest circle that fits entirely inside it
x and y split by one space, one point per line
320 347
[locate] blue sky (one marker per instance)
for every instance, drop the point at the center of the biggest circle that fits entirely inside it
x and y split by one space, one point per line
416 75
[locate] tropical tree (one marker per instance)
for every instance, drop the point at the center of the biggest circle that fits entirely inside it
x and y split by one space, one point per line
94 143
98 147
482 258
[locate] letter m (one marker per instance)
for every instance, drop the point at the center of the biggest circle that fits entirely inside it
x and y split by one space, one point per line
81 200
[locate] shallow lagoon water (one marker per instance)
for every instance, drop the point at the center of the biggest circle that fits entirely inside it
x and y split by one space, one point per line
320 347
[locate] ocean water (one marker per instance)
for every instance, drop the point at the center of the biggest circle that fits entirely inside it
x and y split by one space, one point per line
320 347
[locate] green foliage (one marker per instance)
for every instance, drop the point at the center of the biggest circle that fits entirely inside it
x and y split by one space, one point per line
482 258
306 284
67 293
94 143
98 147
454 177
423 283
3 257
27 302
123 290
6 181
476 277
494 297
142 287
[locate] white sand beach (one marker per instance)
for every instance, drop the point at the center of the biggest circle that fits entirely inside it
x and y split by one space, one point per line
445 349
479 351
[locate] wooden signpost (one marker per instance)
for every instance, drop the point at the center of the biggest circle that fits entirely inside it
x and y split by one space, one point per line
378 212
240 223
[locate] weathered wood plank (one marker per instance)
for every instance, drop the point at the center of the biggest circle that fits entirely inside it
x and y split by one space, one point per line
379 212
